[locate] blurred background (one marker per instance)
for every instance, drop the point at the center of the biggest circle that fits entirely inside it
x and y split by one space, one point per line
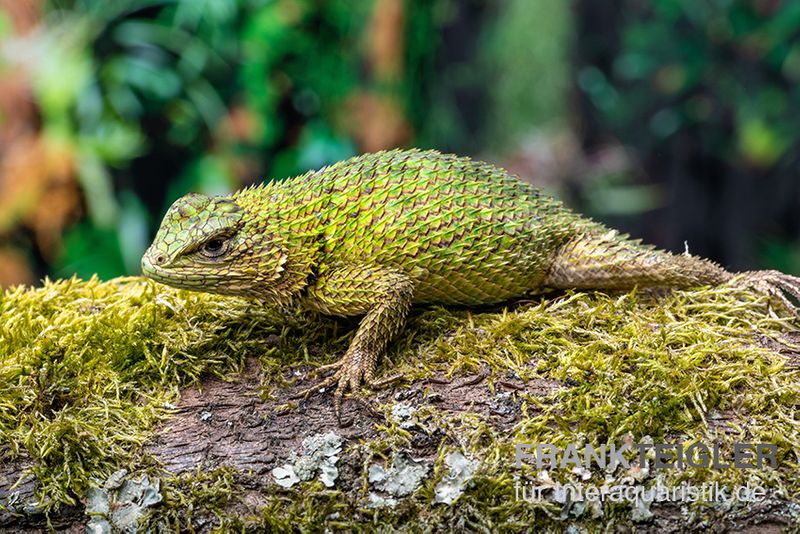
675 120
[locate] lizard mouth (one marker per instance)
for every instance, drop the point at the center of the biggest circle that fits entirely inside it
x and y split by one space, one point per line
184 278
179 280
151 269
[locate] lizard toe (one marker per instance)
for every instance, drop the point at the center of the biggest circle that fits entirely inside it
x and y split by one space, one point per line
347 381
316 388
374 383
329 367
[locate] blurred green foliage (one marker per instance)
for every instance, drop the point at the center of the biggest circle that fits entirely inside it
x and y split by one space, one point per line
706 93
530 74
719 65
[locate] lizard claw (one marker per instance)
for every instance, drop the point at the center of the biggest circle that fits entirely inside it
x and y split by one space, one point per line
775 284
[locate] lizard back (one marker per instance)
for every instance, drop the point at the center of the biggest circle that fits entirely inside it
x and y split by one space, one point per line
465 232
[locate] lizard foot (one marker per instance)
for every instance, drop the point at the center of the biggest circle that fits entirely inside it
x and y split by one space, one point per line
775 284
352 369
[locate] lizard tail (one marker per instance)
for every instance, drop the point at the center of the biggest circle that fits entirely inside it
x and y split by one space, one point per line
604 259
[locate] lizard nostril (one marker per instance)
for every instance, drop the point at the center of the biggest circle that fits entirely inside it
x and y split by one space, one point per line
160 259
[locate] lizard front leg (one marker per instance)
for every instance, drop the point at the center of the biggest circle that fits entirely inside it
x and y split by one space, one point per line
383 296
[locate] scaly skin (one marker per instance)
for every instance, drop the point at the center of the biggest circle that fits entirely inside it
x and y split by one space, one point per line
378 233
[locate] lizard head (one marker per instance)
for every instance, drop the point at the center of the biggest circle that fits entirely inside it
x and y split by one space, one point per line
204 244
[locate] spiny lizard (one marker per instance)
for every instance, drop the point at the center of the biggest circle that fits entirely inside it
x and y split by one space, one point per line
378 233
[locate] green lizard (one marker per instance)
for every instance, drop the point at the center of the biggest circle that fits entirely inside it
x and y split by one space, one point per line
381 232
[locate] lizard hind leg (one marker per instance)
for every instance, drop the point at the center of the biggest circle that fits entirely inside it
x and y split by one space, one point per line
774 284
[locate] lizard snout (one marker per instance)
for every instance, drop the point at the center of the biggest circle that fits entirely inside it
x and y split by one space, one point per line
152 260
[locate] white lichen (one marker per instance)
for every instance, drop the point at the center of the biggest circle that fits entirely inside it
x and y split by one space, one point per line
402 478
321 452
460 471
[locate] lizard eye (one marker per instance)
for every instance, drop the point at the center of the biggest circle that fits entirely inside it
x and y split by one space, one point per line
214 248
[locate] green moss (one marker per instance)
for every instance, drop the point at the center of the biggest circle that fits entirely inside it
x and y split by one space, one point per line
196 497
88 367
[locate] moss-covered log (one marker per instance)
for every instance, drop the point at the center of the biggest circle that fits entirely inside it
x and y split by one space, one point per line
127 403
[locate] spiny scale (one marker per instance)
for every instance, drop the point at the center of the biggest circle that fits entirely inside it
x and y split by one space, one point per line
375 234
